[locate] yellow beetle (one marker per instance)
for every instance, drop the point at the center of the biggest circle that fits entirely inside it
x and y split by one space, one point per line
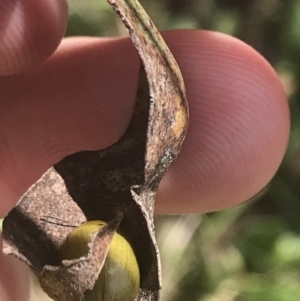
119 279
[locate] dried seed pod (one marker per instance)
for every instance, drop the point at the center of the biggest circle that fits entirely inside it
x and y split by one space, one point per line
119 279
125 177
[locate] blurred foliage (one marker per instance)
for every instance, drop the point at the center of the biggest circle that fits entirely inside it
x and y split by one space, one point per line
250 252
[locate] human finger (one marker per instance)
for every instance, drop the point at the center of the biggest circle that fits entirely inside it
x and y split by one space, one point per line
83 96
14 280
30 31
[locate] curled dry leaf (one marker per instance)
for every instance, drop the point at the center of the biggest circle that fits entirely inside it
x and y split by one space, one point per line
117 185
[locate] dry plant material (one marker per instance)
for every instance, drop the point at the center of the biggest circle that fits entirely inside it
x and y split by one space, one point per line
116 185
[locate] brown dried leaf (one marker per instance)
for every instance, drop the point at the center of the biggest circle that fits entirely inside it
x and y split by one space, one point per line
120 181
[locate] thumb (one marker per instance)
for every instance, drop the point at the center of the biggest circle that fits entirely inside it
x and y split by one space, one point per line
30 31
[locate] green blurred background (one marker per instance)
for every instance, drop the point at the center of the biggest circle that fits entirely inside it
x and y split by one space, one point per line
250 252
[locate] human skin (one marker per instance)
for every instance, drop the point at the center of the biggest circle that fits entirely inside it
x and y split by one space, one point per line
83 95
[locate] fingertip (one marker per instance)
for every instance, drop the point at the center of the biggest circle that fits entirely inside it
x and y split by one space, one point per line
30 31
239 124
